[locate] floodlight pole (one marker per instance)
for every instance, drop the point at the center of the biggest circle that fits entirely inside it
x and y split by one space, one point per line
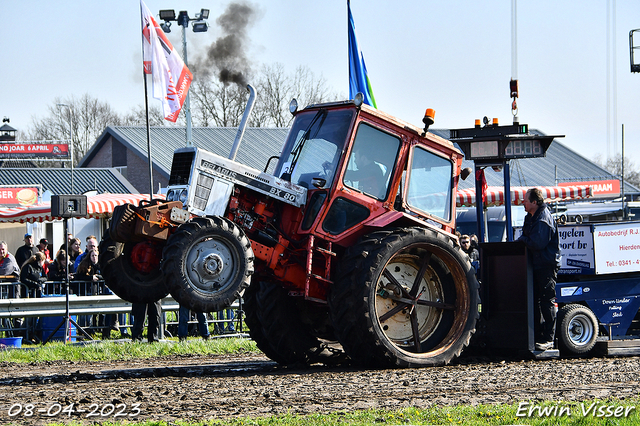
187 102
70 139
183 20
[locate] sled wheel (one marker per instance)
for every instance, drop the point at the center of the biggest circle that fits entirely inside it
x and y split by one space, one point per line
131 270
577 329
208 262
276 324
404 298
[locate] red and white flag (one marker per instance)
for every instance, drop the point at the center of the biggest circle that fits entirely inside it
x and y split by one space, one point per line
171 77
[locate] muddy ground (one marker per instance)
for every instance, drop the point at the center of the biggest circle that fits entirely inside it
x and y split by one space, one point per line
219 387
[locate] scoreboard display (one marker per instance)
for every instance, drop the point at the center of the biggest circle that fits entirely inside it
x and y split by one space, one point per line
493 142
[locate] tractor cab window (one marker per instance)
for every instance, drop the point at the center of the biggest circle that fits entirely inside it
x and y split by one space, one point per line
314 146
430 182
371 162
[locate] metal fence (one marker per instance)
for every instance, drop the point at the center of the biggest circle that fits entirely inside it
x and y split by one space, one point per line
19 308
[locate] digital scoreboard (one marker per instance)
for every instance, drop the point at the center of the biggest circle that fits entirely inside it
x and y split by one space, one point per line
493 142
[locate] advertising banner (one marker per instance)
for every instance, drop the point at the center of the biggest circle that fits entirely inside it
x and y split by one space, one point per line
599 188
13 196
34 150
617 247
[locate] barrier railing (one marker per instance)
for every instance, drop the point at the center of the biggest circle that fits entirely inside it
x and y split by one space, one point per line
54 305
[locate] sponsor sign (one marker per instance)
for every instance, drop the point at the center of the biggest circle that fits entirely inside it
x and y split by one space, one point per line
34 150
617 247
14 196
599 188
576 248
616 311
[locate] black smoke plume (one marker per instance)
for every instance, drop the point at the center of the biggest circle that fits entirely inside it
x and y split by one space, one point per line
227 55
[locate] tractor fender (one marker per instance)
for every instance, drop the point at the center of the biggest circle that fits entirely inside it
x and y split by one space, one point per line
396 218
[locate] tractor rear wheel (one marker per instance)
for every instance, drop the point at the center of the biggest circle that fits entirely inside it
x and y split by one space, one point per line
131 270
207 263
404 298
277 324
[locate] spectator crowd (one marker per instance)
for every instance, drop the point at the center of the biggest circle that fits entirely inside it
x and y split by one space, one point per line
42 275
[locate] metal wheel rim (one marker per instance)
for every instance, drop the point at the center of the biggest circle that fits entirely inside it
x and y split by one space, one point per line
581 329
398 327
408 330
210 265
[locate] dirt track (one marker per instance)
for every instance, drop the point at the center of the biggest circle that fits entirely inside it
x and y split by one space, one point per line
201 388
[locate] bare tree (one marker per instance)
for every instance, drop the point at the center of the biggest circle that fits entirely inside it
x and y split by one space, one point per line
222 103
215 103
276 88
614 166
87 116
275 91
137 116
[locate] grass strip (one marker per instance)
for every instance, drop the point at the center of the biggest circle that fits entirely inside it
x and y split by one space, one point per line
119 350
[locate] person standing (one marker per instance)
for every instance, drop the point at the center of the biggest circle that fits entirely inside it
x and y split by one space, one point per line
540 235
8 264
73 249
43 247
27 250
229 328
32 273
65 246
465 244
183 323
9 267
151 310
474 255
92 243
32 276
58 273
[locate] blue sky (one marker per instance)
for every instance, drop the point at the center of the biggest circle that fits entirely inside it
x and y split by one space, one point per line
453 56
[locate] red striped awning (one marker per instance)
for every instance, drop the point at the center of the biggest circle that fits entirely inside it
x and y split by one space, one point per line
495 194
98 206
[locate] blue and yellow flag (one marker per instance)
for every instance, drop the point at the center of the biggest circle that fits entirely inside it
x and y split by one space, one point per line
358 77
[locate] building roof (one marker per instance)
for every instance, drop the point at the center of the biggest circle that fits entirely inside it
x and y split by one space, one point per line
561 164
258 143
7 128
58 181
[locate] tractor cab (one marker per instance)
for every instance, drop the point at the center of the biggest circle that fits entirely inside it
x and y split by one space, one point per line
363 168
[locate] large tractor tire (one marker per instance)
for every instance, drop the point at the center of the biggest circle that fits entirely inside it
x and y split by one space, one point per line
207 263
404 298
131 270
278 325
577 329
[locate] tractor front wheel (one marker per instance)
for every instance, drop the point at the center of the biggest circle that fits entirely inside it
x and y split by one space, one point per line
207 263
131 270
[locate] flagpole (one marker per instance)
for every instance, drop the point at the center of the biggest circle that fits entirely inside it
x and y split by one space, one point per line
146 110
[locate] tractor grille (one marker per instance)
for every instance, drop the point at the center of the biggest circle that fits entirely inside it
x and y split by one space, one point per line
203 189
181 168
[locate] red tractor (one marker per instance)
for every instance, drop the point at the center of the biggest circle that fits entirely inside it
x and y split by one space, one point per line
348 247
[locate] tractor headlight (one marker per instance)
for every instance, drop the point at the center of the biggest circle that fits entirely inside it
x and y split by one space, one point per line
183 196
171 195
